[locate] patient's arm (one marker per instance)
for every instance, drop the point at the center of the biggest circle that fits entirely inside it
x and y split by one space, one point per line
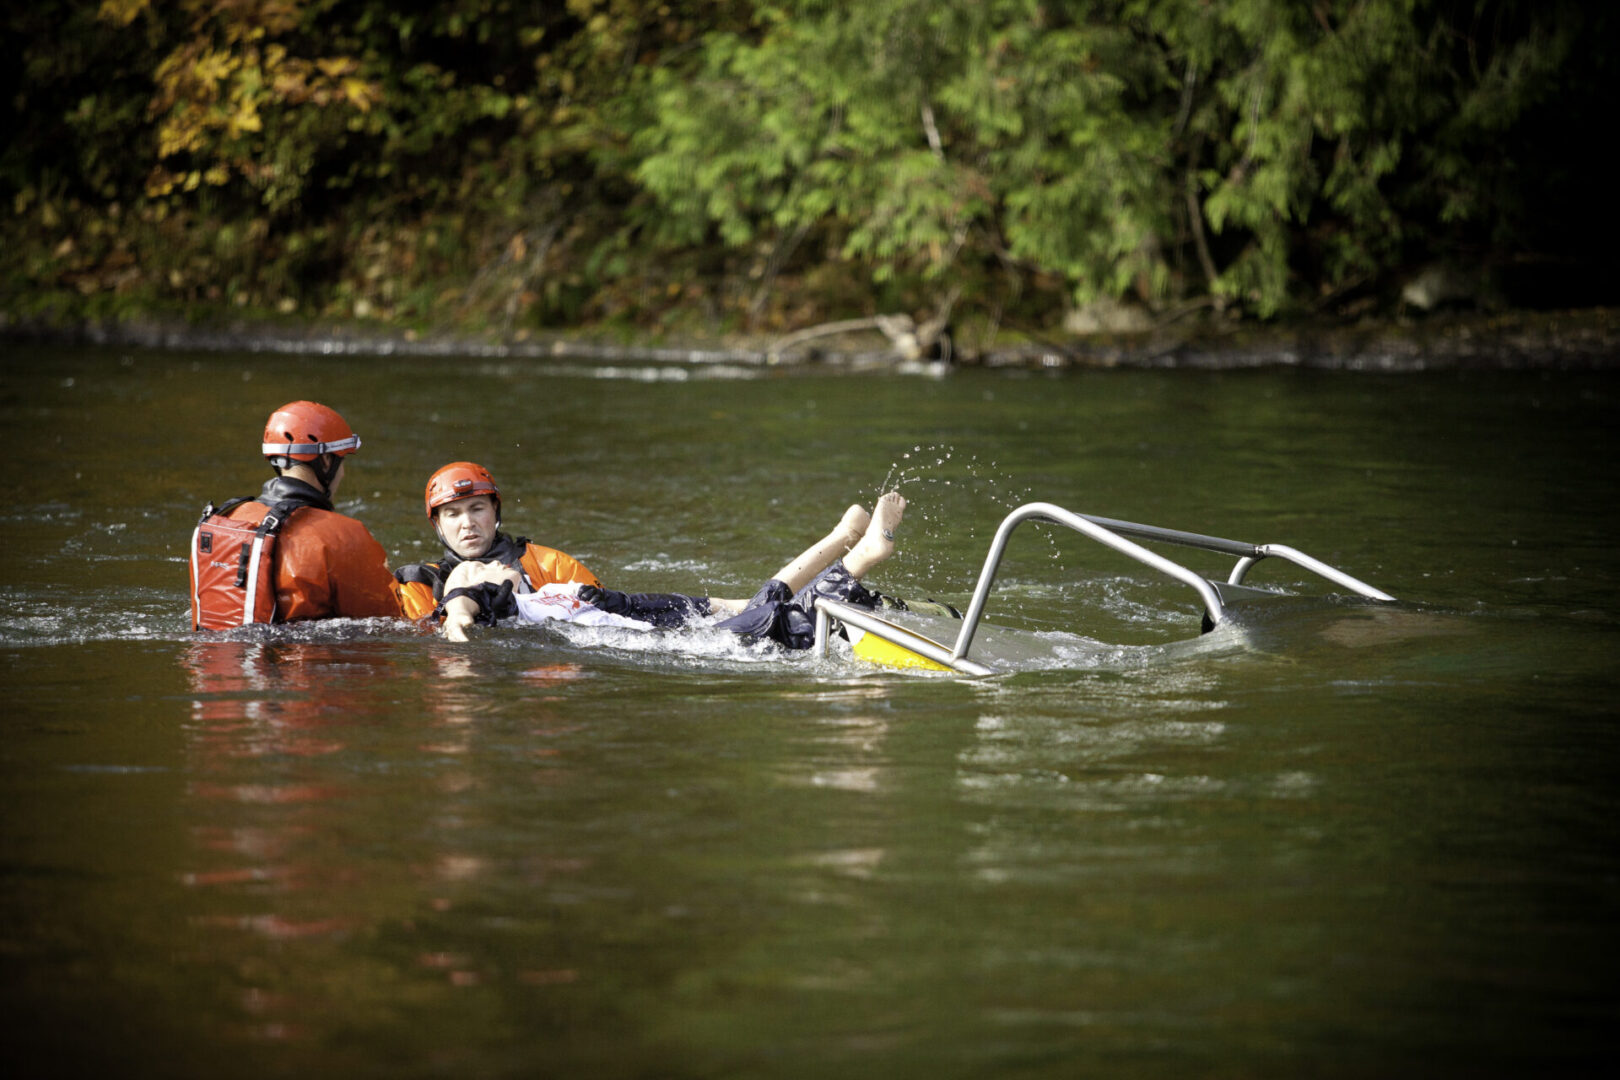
461 612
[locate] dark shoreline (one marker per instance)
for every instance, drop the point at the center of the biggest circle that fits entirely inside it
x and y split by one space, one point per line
1585 339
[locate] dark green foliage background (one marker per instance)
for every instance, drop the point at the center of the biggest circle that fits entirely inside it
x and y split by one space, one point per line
724 165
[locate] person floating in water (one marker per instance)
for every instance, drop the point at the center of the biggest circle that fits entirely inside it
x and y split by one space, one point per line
783 610
286 554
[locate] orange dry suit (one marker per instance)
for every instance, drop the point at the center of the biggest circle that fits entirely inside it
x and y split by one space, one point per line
327 565
421 585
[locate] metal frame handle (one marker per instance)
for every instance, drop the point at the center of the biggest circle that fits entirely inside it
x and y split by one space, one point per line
1109 532
1103 531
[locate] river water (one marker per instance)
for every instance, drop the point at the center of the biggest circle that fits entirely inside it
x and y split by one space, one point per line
1331 838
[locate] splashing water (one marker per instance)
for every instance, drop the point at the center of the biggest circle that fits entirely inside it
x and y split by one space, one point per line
935 481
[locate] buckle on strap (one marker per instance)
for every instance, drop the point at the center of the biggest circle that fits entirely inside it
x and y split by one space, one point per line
271 449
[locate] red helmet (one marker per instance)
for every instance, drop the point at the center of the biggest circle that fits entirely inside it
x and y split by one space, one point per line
460 480
304 430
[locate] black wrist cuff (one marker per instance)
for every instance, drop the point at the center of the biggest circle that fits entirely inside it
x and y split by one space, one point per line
495 602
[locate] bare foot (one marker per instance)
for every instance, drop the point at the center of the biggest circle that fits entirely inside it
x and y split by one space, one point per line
890 509
878 543
853 524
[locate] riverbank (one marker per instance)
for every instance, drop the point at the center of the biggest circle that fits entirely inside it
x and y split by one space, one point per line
1582 339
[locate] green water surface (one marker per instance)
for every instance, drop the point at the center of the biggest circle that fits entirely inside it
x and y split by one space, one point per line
1331 839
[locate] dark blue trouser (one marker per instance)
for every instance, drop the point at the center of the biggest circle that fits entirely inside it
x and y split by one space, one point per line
791 620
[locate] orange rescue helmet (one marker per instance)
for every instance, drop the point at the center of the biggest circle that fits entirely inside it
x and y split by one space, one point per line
304 431
460 480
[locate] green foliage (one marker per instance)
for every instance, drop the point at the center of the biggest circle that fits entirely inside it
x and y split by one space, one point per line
489 161
919 139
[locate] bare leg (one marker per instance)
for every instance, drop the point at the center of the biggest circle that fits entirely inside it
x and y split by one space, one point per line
824 552
878 543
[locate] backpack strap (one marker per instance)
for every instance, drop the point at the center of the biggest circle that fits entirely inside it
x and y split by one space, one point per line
429 574
224 508
274 518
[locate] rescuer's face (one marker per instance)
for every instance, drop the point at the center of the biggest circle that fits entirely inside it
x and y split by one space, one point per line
468 525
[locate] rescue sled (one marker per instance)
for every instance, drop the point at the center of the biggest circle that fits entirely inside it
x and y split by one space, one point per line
885 642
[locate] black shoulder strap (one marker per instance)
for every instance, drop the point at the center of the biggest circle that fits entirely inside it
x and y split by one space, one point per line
420 574
224 508
270 525
277 516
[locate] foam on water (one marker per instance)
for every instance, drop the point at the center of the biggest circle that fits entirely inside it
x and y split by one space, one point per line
76 615
663 563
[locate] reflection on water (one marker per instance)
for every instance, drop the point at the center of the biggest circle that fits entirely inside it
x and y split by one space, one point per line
302 798
1330 837
260 715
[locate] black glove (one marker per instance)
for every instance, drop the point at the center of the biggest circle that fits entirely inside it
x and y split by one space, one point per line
495 602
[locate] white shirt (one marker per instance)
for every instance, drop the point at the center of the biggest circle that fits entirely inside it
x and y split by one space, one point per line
562 602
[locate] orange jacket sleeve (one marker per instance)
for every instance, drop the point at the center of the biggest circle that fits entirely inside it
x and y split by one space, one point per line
548 566
416 599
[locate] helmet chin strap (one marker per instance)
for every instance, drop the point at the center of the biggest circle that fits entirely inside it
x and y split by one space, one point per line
325 467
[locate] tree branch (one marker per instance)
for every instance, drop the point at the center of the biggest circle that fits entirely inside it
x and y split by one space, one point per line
930 129
1195 220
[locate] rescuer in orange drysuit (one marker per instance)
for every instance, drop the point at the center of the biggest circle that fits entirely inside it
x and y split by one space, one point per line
325 565
463 505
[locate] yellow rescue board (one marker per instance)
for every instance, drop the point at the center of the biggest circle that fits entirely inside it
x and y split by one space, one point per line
878 650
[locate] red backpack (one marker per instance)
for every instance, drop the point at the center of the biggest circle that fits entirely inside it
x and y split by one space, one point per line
233 566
